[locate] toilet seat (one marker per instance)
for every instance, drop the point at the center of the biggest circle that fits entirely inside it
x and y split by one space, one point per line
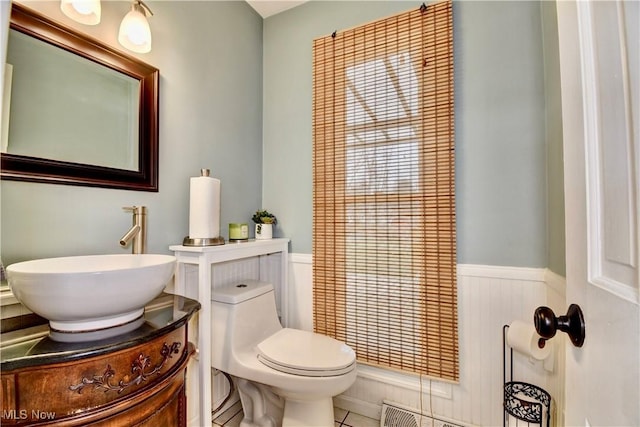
298 352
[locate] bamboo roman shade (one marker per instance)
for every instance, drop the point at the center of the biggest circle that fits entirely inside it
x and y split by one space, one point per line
384 241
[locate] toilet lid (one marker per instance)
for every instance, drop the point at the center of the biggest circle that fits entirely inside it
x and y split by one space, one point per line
305 353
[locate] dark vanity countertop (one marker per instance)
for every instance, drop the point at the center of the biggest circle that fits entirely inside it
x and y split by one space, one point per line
32 346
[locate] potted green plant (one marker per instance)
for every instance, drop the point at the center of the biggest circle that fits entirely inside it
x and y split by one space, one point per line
264 224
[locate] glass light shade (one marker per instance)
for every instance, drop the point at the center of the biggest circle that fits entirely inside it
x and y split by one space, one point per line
135 33
83 11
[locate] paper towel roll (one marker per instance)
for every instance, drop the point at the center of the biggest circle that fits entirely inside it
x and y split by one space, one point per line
523 338
204 208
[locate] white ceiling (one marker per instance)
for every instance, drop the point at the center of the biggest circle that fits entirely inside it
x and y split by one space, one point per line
267 8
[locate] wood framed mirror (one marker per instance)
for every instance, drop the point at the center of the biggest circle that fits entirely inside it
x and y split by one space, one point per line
134 147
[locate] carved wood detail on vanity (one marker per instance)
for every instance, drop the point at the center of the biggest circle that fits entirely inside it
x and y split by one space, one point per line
138 367
143 385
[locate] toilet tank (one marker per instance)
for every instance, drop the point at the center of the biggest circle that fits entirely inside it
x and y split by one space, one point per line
242 315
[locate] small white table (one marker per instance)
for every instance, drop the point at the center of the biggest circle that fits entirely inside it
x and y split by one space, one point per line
205 257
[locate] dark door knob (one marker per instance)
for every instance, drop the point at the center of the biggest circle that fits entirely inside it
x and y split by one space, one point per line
547 324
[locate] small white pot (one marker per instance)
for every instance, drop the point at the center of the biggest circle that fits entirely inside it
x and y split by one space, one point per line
264 231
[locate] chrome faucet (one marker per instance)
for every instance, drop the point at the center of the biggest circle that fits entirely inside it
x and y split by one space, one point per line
137 235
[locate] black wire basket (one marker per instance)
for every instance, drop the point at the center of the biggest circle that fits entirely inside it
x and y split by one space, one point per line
527 402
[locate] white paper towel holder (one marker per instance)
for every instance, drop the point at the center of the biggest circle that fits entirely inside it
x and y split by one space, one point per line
203 241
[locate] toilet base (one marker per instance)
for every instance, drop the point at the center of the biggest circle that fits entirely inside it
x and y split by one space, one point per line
308 413
263 408
259 404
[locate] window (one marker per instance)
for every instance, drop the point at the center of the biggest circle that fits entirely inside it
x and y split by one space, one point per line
384 202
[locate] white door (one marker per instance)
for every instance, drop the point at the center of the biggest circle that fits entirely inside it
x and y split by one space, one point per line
599 60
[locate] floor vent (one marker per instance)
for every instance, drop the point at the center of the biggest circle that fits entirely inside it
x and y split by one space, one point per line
394 415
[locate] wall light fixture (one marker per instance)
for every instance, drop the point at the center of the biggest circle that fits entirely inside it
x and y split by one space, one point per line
135 33
83 11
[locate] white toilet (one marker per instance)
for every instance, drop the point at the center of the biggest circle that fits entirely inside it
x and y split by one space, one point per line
284 376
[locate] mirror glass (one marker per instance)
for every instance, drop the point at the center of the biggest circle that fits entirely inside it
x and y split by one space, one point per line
76 111
98 105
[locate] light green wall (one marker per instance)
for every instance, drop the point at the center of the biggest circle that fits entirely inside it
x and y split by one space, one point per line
553 120
209 55
288 36
501 172
215 114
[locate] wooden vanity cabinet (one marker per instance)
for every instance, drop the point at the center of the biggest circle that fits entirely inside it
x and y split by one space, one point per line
139 385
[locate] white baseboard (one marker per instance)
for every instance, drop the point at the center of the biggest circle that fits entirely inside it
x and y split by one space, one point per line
369 410
405 381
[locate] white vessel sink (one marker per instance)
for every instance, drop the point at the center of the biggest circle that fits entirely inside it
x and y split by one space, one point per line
90 293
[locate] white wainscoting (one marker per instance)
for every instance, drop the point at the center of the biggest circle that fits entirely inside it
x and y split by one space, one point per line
488 298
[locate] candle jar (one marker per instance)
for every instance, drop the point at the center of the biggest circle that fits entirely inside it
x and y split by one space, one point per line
238 232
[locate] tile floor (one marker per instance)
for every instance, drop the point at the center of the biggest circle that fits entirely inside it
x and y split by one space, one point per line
232 417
